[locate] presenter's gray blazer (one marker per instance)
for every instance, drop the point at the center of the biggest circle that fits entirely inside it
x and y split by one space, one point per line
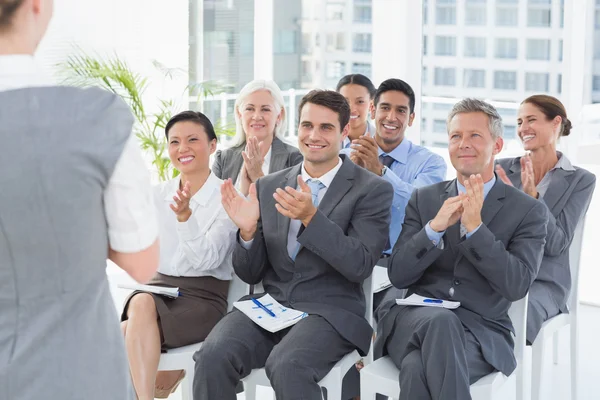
567 199
487 271
228 162
59 328
340 247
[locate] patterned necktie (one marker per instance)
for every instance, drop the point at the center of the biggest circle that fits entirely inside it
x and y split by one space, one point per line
463 231
315 187
386 160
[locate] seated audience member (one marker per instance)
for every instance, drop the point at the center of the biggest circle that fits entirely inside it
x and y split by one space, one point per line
358 91
257 146
474 240
548 175
196 241
312 234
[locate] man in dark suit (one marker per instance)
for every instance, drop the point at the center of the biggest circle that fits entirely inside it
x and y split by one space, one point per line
312 234
473 240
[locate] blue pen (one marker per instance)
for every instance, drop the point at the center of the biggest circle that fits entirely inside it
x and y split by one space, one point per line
258 303
433 301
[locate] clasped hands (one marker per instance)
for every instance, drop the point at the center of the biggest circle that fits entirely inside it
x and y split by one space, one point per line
465 207
245 212
527 176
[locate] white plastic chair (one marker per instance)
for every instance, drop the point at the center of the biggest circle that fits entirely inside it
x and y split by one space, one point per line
332 382
181 357
552 327
381 376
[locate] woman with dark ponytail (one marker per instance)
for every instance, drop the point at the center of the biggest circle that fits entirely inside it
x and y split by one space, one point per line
548 175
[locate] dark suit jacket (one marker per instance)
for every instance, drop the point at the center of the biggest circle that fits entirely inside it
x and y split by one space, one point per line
228 162
567 198
488 271
340 247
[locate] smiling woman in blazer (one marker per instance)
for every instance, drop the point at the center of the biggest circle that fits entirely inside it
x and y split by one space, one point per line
549 176
257 148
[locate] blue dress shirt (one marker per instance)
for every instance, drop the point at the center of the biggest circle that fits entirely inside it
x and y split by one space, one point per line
414 166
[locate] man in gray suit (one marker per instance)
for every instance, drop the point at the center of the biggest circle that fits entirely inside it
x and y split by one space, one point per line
312 234
474 240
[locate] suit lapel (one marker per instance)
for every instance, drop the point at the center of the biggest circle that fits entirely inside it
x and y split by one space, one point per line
340 185
559 183
514 173
236 163
283 222
279 156
492 203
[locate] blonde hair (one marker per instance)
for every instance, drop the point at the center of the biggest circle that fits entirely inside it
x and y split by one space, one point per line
248 89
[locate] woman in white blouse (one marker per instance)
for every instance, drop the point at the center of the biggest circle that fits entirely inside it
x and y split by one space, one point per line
257 146
196 241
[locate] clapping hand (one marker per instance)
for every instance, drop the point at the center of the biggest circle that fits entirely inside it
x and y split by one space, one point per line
365 153
296 204
528 177
243 212
472 202
448 215
253 158
181 208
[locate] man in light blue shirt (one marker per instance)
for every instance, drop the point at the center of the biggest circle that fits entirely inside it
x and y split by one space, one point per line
390 155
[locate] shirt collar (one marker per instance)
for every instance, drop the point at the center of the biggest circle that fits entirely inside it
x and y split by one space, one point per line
400 153
326 178
20 71
486 186
201 197
563 162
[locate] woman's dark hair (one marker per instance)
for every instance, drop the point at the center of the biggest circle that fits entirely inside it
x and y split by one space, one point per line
192 116
551 107
397 85
329 99
357 79
7 11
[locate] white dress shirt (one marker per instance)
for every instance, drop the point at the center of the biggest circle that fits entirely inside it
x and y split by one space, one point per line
295 224
202 245
128 197
265 169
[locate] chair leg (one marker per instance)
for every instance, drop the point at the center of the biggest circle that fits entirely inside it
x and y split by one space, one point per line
574 357
367 391
334 392
537 367
250 391
555 338
187 385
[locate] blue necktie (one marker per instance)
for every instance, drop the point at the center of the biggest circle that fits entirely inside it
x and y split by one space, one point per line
315 186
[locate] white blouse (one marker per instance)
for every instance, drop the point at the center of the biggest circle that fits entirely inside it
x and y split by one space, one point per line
130 211
202 245
265 169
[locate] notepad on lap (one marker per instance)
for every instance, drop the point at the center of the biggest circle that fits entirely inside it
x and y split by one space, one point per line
416 300
284 316
160 290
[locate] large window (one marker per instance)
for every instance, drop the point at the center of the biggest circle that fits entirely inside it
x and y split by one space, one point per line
538 49
536 81
475 47
361 43
505 80
439 126
475 12
507 15
361 68
284 42
506 48
445 46
336 41
362 11
539 13
335 69
445 12
474 78
445 76
334 10
596 83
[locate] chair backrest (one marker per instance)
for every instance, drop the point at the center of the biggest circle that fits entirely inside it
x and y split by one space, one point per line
574 262
518 315
237 289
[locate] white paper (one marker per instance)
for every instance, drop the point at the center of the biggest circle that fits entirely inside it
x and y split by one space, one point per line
284 316
160 290
380 279
416 300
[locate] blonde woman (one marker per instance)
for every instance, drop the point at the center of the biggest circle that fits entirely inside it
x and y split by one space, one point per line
257 146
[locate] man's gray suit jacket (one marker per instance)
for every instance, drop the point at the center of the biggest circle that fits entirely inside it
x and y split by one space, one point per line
228 162
487 271
567 198
340 247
